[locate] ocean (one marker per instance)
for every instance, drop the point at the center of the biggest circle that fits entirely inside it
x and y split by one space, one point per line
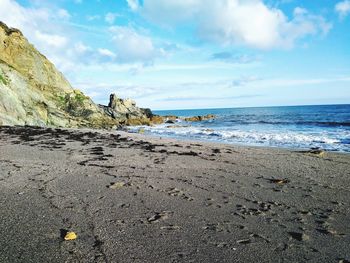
297 127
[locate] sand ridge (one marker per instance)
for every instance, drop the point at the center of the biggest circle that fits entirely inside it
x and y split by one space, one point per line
133 198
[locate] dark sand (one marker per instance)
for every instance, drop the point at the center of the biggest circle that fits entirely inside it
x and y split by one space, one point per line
131 198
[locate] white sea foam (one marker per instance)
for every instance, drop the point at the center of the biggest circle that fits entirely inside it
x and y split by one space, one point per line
278 138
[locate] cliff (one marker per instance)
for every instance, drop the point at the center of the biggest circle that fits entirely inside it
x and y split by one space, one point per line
34 92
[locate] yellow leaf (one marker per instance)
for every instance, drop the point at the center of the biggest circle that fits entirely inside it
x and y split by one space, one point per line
279 181
117 185
70 236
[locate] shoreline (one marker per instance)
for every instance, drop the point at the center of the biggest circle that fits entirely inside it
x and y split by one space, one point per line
134 198
233 144
165 132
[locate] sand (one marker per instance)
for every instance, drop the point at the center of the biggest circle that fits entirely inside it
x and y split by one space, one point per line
133 198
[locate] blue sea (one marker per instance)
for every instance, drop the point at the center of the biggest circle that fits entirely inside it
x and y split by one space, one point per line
297 127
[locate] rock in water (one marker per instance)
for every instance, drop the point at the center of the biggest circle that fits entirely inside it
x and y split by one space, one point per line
200 118
157 119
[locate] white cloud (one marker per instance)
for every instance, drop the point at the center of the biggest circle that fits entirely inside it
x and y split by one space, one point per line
299 11
284 82
51 40
231 22
19 16
81 48
99 91
131 46
106 52
93 17
110 17
230 57
62 13
245 80
343 8
133 4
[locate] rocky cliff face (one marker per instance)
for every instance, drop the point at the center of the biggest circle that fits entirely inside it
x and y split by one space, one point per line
34 92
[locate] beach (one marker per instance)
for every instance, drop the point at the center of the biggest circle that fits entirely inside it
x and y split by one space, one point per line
136 198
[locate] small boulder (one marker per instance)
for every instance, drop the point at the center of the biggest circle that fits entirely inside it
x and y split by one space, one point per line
171 117
156 119
200 118
137 122
147 112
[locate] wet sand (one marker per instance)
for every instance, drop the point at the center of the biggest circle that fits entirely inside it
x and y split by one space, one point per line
132 198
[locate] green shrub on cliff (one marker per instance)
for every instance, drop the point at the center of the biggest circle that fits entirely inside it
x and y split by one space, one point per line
76 103
3 79
80 98
75 99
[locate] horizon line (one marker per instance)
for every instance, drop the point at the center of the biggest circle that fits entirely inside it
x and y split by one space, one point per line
275 106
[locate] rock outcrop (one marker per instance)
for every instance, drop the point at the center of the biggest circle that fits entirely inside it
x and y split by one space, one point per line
171 119
34 92
126 111
200 118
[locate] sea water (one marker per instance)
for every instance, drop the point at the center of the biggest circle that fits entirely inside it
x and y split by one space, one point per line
297 127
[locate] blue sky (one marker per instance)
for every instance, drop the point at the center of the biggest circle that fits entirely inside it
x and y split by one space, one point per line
181 54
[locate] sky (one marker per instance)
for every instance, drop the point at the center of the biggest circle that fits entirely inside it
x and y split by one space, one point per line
187 54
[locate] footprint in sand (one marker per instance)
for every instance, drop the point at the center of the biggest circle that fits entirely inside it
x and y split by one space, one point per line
159 216
253 238
226 227
177 192
299 236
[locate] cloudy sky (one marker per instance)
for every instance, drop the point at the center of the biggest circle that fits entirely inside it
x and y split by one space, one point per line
181 54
